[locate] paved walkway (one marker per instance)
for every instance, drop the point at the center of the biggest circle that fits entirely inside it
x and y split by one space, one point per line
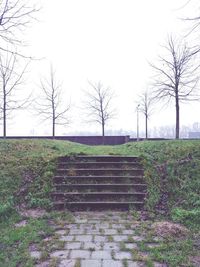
99 239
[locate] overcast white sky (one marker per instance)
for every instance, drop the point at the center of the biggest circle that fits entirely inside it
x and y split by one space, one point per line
102 40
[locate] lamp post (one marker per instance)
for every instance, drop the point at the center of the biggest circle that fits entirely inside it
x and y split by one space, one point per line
138 122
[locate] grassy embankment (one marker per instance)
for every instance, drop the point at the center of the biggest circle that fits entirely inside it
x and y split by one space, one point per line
172 172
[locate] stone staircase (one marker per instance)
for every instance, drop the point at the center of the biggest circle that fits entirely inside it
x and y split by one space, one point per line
98 183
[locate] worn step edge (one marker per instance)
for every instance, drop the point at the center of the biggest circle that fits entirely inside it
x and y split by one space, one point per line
99 157
98 205
97 169
97 163
96 193
98 185
99 177
100 202
107 202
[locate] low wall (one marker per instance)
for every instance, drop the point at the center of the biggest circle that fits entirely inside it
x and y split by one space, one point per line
149 139
87 140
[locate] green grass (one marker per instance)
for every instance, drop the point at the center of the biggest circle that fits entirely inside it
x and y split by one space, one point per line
172 173
15 242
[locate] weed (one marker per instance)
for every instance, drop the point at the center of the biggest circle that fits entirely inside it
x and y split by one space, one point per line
130 239
127 226
135 214
71 172
110 238
125 263
123 247
60 215
119 231
54 262
91 249
44 255
101 231
78 263
113 254
149 263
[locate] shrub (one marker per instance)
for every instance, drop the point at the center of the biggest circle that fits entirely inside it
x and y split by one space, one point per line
187 217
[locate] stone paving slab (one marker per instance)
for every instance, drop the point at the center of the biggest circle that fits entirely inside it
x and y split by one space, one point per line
110 232
93 245
112 263
76 232
123 255
73 245
60 254
67 263
91 263
66 238
120 238
131 246
111 246
101 254
98 239
60 232
136 264
84 238
43 264
127 232
80 254
118 226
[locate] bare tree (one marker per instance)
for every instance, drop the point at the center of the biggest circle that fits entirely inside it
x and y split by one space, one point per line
10 81
99 105
49 106
177 76
145 104
195 19
15 17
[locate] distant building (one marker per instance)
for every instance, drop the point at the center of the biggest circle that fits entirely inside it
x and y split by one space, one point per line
194 135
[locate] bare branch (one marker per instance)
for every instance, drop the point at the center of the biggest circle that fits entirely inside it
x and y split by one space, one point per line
48 106
10 81
145 104
15 17
98 105
177 76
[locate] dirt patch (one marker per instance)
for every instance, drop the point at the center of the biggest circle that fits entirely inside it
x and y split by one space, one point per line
195 260
169 229
43 264
21 224
33 247
32 213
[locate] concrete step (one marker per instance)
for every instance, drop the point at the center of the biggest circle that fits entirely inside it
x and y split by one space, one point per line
96 165
97 196
97 179
97 171
130 187
99 182
100 158
98 205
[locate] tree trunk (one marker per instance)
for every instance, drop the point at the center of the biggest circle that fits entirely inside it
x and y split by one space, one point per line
53 118
103 134
4 112
146 126
177 117
53 128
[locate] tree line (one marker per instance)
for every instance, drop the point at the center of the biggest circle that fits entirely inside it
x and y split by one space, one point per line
176 76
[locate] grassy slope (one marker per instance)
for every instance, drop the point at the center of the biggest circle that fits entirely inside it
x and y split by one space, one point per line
172 171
